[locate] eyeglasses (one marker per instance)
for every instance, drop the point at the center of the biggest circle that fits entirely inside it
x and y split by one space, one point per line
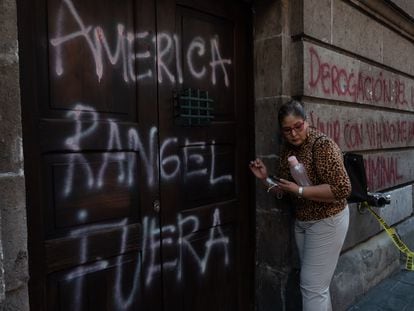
297 127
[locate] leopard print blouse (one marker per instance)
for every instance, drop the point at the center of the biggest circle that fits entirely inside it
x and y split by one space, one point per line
323 161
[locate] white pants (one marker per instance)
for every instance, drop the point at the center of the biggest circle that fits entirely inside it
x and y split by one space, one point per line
319 244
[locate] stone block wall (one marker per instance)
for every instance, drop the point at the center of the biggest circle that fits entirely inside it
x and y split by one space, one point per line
358 87
275 274
13 239
350 62
406 6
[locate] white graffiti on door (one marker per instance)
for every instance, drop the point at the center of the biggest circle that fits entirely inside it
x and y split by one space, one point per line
167 49
170 163
74 144
153 237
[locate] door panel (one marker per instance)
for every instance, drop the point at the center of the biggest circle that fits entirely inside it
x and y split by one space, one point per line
110 285
216 269
92 128
207 42
216 167
203 167
89 190
88 45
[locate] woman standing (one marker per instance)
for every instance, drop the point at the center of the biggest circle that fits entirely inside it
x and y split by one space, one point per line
321 211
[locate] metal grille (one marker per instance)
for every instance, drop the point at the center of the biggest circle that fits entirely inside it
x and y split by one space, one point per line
193 107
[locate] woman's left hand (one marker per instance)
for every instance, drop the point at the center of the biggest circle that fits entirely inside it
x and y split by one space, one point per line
320 193
288 186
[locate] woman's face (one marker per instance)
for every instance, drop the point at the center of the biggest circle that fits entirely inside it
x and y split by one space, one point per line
294 129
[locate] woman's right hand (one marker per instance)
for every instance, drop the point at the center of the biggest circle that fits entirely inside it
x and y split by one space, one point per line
258 168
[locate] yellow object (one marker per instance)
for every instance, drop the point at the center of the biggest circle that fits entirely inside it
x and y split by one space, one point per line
409 265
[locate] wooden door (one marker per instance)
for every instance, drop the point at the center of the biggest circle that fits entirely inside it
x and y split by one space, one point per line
129 207
204 202
90 120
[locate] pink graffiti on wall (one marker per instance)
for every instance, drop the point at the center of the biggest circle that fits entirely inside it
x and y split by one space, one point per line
382 171
398 131
377 134
379 88
330 128
370 133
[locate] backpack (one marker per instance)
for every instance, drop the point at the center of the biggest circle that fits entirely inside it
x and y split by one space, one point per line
354 166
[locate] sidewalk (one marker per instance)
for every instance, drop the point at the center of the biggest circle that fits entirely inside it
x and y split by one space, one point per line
393 294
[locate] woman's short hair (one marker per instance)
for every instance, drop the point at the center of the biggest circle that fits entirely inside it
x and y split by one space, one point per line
292 107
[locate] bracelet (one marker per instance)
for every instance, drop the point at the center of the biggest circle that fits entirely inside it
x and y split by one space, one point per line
271 187
270 182
300 192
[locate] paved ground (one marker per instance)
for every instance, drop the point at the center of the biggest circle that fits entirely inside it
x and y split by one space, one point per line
392 294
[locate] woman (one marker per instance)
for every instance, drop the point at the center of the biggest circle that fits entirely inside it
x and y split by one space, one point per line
321 211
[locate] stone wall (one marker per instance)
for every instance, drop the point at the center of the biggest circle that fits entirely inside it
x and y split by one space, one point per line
275 274
350 62
358 86
13 241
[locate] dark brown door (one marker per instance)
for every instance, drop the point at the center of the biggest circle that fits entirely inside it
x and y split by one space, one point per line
203 168
135 141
